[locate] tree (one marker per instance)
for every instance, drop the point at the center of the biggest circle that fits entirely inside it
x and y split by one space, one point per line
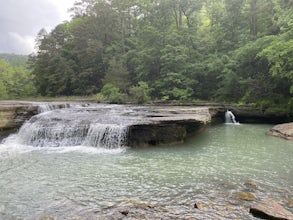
117 74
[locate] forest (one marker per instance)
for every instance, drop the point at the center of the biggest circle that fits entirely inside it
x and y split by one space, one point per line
238 51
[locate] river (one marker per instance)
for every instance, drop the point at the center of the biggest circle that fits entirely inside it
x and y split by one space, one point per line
149 183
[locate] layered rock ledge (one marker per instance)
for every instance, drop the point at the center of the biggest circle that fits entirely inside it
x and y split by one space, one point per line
168 125
14 113
283 131
160 125
270 209
147 125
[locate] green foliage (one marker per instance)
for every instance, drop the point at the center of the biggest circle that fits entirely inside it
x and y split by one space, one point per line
140 93
14 60
112 94
280 56
230 50
117 74
15 82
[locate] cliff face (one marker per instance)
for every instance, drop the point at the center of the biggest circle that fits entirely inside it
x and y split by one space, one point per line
169 125
14 114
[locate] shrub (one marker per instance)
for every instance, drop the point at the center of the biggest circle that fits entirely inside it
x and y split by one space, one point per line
112 94
140 93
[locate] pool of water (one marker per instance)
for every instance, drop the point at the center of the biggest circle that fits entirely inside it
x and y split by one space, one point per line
149 183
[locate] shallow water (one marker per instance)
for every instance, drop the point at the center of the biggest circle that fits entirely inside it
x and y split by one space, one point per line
151 183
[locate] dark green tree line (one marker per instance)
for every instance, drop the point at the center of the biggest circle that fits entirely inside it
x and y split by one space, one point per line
230 50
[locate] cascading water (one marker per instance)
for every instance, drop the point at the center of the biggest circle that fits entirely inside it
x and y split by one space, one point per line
106 135
230 118
99 126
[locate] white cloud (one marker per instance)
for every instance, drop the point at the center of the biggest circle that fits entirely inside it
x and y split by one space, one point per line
21 20
63 7
20 44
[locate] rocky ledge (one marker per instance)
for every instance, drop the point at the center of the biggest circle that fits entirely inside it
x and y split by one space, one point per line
14 113
163 124
147 125
168 125
270 209
283 131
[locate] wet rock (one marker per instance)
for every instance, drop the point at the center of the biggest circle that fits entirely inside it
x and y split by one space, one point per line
135 203
47 218
197 206
289 203
168 125
250 185
202 206
13 114
124 212
246 196
283 131
270 209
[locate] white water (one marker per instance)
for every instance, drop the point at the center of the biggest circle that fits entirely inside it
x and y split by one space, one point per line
230 118
106 136
100 126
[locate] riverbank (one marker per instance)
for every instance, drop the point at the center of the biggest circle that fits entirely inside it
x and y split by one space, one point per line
166 124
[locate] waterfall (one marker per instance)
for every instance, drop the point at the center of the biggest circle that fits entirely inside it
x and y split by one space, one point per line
46 106
106 136
77 126
230 118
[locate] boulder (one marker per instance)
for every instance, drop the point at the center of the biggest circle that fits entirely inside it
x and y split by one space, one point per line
270 209
283 131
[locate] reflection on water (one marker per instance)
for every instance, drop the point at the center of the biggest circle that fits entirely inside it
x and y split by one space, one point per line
153 183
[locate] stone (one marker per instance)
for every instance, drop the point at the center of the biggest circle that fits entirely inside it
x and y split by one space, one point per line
47 218
246 196
197 205
283 131
135 203
250 185
124 212
289 203
270 209
201 206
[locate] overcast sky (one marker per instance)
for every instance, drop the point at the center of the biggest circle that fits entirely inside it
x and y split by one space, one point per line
21 20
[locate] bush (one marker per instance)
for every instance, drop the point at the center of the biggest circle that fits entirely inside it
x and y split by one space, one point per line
112 94
140 93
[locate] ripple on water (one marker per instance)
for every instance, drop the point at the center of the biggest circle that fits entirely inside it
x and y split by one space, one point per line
80 182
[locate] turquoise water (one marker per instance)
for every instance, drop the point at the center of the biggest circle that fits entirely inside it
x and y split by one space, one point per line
150 183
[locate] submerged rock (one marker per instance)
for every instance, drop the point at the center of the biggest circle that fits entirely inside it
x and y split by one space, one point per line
283 131
124 212
47 218
246 196
270 209
289 202
198 205
250 185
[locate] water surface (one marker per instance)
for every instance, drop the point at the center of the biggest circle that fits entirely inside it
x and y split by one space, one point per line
151 183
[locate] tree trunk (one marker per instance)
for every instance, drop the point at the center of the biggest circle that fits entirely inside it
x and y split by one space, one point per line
253 18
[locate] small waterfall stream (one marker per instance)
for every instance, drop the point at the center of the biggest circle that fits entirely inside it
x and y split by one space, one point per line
230 118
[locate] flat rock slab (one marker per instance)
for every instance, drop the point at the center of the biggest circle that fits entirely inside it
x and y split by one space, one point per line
270 209
282 130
